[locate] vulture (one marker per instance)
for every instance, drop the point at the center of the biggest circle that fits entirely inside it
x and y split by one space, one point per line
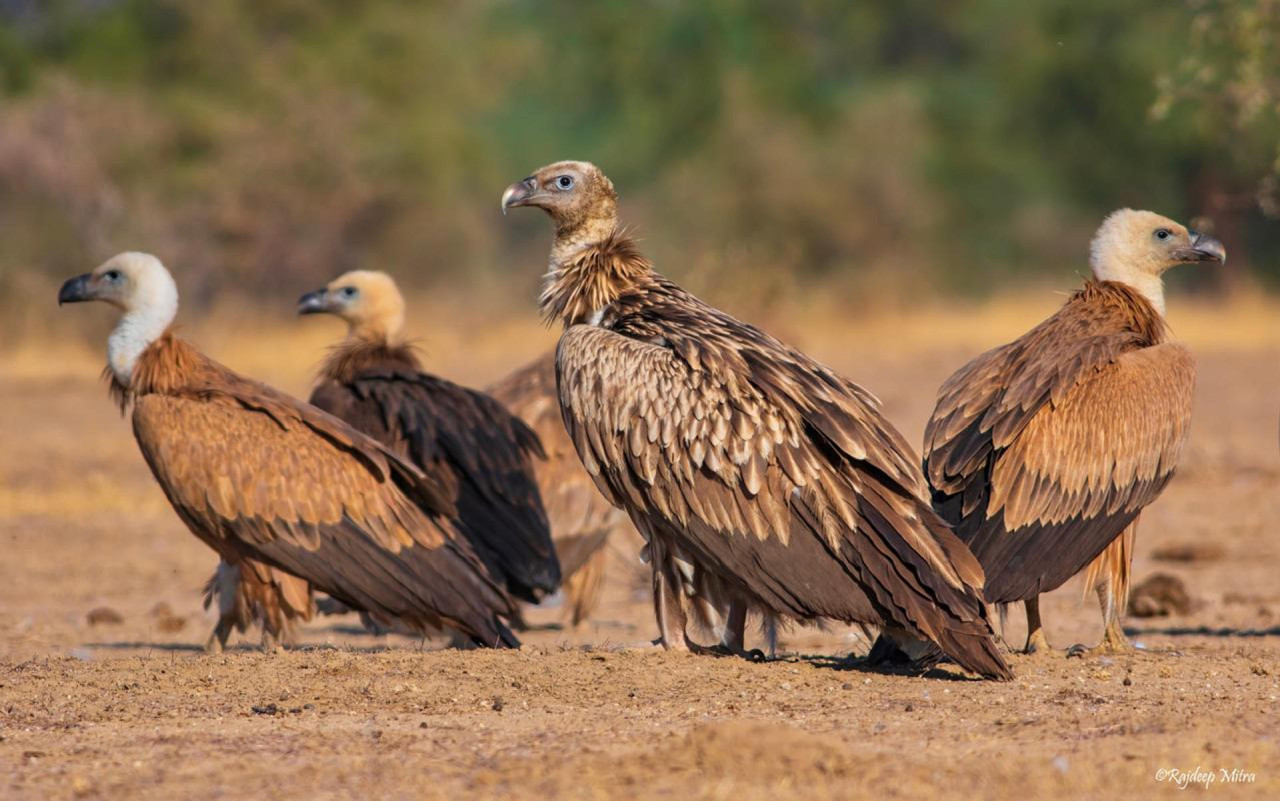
581 518
743 462
263 478
1042 453
477 456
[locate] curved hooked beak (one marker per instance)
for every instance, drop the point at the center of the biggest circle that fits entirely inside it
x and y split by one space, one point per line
76 290
314 302
1203 248
519 194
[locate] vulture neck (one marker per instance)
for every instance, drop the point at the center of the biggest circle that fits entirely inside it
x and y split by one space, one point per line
356 354
137 329
1146 284
583 280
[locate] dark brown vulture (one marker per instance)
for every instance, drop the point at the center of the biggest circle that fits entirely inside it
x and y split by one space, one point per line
1042 453
738 455
581 518
477 456
258 475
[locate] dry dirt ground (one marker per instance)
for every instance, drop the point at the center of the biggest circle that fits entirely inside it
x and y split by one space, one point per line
134 708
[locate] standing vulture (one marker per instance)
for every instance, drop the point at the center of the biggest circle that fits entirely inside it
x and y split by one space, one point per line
477 456
739 456
1043 452
258 475
581 518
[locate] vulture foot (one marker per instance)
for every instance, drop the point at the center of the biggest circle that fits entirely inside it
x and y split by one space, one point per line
1038 645
1113 642
217 641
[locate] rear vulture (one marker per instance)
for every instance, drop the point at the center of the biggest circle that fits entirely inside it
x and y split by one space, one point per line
1042 453
258 475
477 456
739 456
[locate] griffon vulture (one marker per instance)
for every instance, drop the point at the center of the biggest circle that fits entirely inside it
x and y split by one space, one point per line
256 474
477 456
739 455
1043 452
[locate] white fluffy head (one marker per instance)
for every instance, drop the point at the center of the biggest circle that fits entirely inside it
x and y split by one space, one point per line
1136 247
140 286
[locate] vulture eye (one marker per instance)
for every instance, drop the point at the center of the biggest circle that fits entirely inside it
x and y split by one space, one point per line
1163 233
565 182
348 292
112 275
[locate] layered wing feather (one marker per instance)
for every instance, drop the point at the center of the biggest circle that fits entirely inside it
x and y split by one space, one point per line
256 473
581 517
776 472
476 455
1043 451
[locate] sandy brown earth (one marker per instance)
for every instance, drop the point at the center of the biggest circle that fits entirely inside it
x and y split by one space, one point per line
134 709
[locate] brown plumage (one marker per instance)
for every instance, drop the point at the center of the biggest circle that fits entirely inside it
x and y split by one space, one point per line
738 454
1043 451
476 455
256 474
581 518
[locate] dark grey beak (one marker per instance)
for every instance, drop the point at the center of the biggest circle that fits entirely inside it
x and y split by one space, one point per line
1204 248
519 194
75 290
313 303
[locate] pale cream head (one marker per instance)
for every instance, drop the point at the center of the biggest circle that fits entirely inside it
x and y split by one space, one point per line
1136 247
368 300
140 286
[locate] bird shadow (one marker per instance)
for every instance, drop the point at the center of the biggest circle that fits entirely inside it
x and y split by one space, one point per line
138 645
1200 631
857 664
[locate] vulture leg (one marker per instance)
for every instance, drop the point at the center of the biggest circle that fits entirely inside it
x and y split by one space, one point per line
217 641
1109 575
732 639
1037 642
668 605
270 640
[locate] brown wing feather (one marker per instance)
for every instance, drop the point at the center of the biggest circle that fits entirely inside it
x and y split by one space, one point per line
256 473
581 518
1041 452
475 454
771 469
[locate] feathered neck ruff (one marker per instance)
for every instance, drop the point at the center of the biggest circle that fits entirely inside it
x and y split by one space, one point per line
163 368
1128 305
354 355
592 277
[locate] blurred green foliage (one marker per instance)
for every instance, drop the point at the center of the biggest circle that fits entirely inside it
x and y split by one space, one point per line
884 147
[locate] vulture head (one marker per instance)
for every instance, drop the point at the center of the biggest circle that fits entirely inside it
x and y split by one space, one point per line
138 285
369 301
579 197
1136 247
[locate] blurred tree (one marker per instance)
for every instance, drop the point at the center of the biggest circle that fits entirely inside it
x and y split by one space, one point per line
881 147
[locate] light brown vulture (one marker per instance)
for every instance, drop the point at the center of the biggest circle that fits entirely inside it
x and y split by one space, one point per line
738 455
581 518
256 474
478 457
1043 452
